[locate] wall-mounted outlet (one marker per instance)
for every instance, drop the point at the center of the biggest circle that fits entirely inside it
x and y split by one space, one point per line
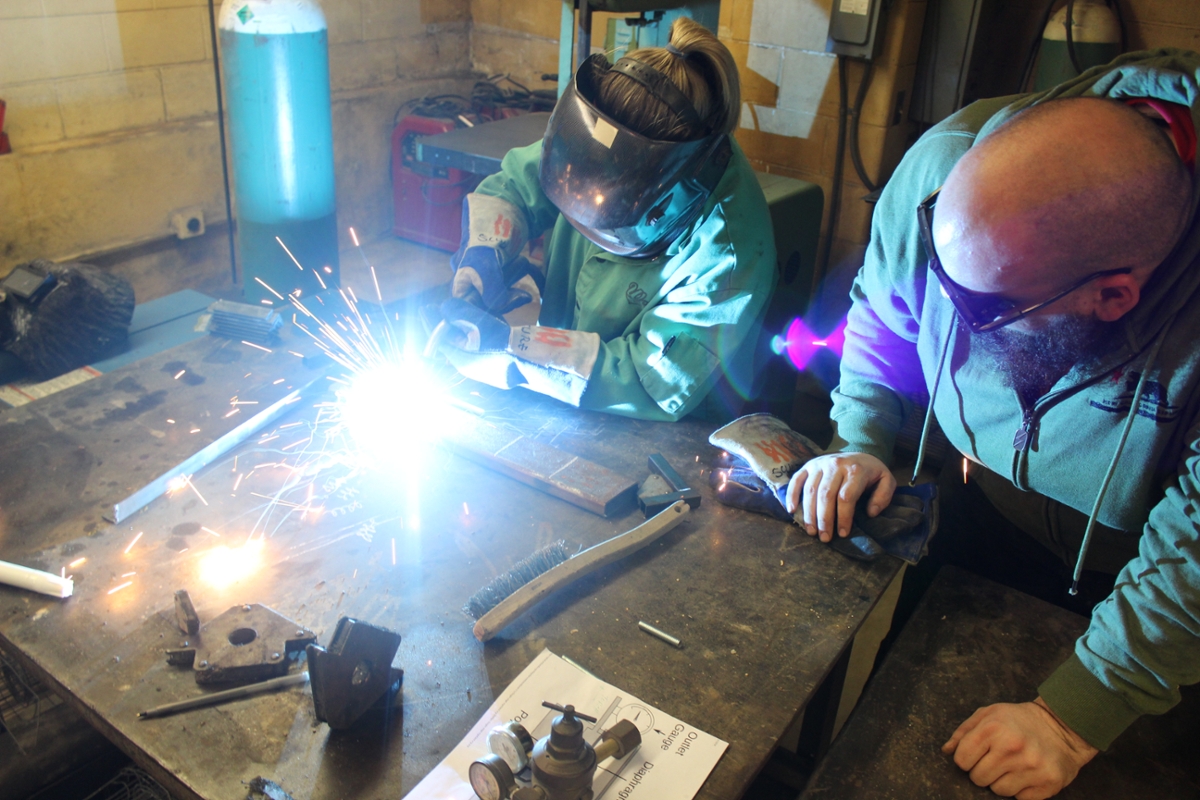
188 222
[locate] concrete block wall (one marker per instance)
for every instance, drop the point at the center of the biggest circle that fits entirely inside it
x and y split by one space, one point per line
1162 23
790 103
112 113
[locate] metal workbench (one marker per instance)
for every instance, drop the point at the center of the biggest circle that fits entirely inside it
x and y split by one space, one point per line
764 611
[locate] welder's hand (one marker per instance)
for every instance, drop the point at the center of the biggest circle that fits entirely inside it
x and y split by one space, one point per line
1020 750
822 494
472 329
488 265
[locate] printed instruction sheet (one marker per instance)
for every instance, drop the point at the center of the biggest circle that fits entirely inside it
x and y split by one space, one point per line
672 762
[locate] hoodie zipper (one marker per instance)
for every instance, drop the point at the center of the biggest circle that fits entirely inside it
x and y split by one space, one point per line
1024 434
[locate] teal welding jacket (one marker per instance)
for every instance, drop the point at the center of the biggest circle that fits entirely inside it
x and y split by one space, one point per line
669 326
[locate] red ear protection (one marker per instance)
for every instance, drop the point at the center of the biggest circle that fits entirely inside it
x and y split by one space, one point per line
1179 121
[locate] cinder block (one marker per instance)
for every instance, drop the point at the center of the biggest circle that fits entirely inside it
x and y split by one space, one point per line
1170 12
804 81
740 14
486 12
1150 35
42 49
189 90
154 38
802 24
16 244
15 9
434 55
440 12
62 8
526 58
391 19
879 107
535 17
765 136
344 18
72 192
112 102
357 65
32 116
759 70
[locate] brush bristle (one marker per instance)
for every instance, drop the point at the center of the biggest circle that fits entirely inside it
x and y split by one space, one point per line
522 573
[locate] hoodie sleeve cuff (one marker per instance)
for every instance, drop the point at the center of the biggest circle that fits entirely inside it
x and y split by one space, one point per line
1086 705
861 434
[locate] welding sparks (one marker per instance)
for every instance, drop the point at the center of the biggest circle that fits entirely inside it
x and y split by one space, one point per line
135 541
238 482
231 413
268 288
393 551
223 565
289 252
179 374
188 480
116 589
965 466
77 563
210 530
257 346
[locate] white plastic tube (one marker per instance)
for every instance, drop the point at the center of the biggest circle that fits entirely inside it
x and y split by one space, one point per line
35 580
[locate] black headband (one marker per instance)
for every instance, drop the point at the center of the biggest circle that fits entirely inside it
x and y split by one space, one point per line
661 87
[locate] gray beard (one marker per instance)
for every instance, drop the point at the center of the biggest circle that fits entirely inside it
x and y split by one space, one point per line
1031 363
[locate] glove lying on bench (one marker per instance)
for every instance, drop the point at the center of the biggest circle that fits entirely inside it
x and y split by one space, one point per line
761 455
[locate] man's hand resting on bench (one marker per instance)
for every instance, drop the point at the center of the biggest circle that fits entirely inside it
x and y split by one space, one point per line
1020 750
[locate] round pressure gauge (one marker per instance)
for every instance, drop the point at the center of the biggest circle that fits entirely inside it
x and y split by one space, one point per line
491 778
513 743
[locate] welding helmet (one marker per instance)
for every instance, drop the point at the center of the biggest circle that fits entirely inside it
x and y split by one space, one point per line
628 193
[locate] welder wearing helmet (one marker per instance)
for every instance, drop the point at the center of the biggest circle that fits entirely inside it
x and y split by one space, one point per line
659 255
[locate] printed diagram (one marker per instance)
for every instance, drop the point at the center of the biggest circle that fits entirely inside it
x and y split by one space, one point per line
672 762
639 715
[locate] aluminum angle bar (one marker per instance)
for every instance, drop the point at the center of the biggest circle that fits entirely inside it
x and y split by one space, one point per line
193 464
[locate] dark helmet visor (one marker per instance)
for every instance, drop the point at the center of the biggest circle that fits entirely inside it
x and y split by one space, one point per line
629 194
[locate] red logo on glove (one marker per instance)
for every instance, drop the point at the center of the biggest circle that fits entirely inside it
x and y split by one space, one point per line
503 226
784 448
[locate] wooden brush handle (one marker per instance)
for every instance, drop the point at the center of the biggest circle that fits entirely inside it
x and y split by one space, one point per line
576 567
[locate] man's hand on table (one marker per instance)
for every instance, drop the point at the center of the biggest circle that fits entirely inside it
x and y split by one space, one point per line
827 488
1020 750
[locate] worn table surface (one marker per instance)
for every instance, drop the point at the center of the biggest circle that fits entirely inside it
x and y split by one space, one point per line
972 643
764 611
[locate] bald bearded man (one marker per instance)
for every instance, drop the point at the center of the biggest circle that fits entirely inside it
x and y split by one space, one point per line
1034 267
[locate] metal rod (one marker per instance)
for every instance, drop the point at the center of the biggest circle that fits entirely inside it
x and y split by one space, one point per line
139 499
217 698
657 634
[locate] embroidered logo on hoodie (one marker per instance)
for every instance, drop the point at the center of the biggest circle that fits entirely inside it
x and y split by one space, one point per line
1153 404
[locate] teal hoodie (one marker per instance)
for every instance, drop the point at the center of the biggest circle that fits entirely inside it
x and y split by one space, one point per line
1144 640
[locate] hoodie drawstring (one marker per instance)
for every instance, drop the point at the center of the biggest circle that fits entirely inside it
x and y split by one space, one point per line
1134 405
937 379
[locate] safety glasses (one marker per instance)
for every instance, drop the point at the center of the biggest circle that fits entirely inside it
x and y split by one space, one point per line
986 312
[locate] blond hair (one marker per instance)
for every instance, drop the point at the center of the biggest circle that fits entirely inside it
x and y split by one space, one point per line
705 72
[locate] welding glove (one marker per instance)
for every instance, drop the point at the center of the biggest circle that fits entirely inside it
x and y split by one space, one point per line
551 361
762 454
488 268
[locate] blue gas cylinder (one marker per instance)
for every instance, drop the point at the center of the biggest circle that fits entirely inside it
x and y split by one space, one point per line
275 69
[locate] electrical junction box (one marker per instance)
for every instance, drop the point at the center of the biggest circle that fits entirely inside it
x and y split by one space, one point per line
188 222
854 28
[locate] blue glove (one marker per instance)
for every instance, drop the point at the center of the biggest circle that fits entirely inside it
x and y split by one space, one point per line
487 262
738 486
903 529
470 328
